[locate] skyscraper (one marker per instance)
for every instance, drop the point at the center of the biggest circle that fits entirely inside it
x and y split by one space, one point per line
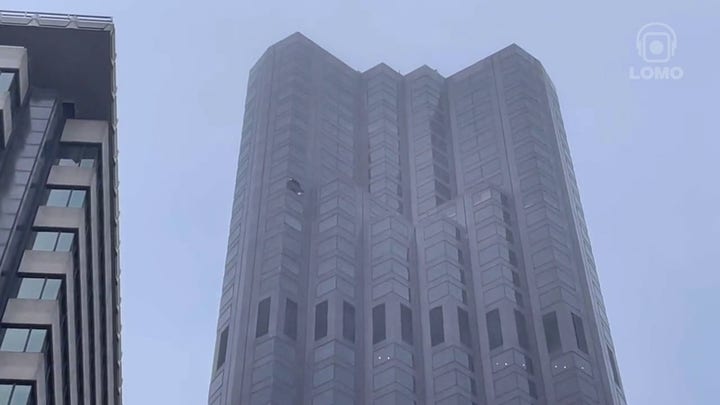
408 239
59 275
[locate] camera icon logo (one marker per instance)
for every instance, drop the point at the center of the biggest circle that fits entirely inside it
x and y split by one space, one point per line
656 42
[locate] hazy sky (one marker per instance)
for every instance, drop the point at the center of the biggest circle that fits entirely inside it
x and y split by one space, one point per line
646 154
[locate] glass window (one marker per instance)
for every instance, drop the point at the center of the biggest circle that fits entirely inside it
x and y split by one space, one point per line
321 320
552 332
437 332
263 318
77 199
378 321
291 319
15 394
58 198
406 327
494 326
5 393
21 395
39 288
78 155
52 287
348 321
45 241
14 340
31 288
464 327
64 243
522 332
580 333
36 341
222 349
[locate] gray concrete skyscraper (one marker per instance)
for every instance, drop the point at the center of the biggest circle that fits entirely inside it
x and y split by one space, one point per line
408 239
59 275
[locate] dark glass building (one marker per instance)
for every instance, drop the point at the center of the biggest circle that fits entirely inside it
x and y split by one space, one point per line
59 275
408 239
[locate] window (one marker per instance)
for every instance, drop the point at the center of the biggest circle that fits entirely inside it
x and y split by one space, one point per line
406 327
437 332
53 241
321 320
516 279
78 155
291 320
22 340
613 365
464 327
222 349
494 329
378 321
532 389
529 365
294 186
39 288
65 198
263 318
522 332
15 394
580 333
348 321
552 332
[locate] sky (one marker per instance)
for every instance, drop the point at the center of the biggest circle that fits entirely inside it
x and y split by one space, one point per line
646 155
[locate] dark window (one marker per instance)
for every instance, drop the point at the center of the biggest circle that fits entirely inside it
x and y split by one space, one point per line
529 365
580 333
437 332
321 320
552 332
348 321
291 320
522 332
406 327
512 258
378 321
464 326
294 186
78 155
222 349
494 329
613 364
532 388
519 299
516 279
263 318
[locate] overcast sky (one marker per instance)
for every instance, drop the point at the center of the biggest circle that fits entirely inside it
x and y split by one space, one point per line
646 154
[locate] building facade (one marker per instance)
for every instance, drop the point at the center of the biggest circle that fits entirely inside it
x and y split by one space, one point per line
59 275
408 239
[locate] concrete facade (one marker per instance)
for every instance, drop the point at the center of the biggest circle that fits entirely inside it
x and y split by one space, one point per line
59 271
408 239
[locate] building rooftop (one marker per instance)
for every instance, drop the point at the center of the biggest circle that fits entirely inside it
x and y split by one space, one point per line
72 54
